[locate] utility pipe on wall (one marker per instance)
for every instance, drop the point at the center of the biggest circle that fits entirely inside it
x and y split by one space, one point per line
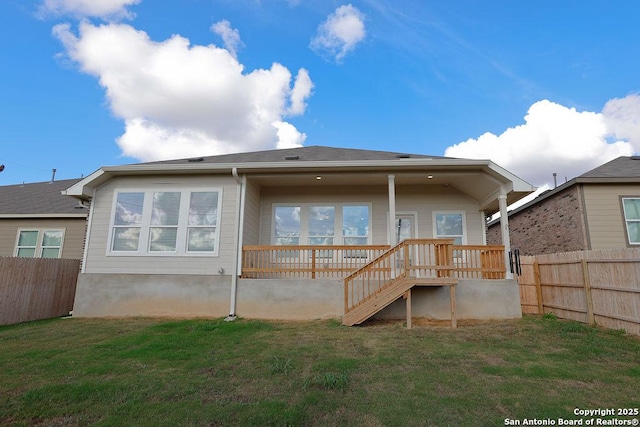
238 233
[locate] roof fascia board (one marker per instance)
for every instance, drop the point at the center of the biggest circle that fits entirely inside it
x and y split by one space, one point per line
78 189
41 216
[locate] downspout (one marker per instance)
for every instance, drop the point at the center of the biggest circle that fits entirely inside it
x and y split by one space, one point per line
504 229
88 233
392 211
238 233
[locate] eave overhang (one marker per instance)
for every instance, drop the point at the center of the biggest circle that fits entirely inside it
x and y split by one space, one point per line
482 179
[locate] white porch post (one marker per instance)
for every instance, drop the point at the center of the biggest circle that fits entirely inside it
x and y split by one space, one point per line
392 210
504 228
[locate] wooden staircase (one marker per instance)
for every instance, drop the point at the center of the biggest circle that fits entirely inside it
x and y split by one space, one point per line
416 262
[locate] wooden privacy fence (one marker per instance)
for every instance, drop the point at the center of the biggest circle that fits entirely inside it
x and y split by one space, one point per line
596 287
36 288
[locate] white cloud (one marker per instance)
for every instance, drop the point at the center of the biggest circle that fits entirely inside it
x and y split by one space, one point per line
340 33
106 9
230 36
558 139
622 117
288 135
179 100
301 92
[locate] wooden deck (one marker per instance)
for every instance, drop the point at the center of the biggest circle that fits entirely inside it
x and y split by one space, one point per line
376 276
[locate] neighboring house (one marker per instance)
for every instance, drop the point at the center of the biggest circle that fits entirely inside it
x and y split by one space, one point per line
36 220
273 234
599 209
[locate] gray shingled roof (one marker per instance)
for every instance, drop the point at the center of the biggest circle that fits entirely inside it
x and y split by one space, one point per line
39 198
622 167
310 153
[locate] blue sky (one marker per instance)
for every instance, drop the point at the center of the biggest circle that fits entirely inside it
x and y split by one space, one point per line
538 87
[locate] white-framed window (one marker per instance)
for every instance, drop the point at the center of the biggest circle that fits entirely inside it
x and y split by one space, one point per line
316 224
450 225
631 209
39 243
172 222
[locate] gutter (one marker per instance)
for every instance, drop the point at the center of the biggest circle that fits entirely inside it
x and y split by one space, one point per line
238 233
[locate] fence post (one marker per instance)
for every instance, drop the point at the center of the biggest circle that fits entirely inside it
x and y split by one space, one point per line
587 291
536 278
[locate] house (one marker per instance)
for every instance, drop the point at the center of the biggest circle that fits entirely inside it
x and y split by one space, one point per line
36 220
297 234
597 210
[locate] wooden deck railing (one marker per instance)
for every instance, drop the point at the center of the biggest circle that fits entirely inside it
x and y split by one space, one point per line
337 262
306 261
478 262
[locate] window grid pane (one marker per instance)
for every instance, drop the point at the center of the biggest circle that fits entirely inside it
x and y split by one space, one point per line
166 208
355 225
26 252
50 253
321 225
126 239
129 209
163 239
28 238
287 225
203 208
202 239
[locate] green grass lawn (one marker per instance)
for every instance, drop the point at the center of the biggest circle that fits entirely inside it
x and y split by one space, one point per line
156 372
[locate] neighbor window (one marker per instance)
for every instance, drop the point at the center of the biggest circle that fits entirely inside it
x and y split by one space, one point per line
631 209
308 224
450 225
39 243
165 222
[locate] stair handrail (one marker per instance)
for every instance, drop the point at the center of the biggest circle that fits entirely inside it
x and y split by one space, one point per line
396 271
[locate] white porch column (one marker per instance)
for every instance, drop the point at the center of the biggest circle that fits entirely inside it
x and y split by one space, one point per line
392 210
504 228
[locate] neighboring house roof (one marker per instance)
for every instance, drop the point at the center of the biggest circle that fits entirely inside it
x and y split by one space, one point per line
481 178
624 169
39 199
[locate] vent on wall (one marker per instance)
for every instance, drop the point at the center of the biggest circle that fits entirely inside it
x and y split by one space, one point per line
403 156
292 157
196 159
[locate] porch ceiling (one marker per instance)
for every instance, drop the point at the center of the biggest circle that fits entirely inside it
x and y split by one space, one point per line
477 185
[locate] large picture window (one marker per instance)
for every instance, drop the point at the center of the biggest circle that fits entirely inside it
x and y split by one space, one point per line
314 224
39 243
450 225
631 207
165 222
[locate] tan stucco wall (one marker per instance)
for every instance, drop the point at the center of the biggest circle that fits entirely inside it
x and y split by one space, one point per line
290 299
101 295
475 299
